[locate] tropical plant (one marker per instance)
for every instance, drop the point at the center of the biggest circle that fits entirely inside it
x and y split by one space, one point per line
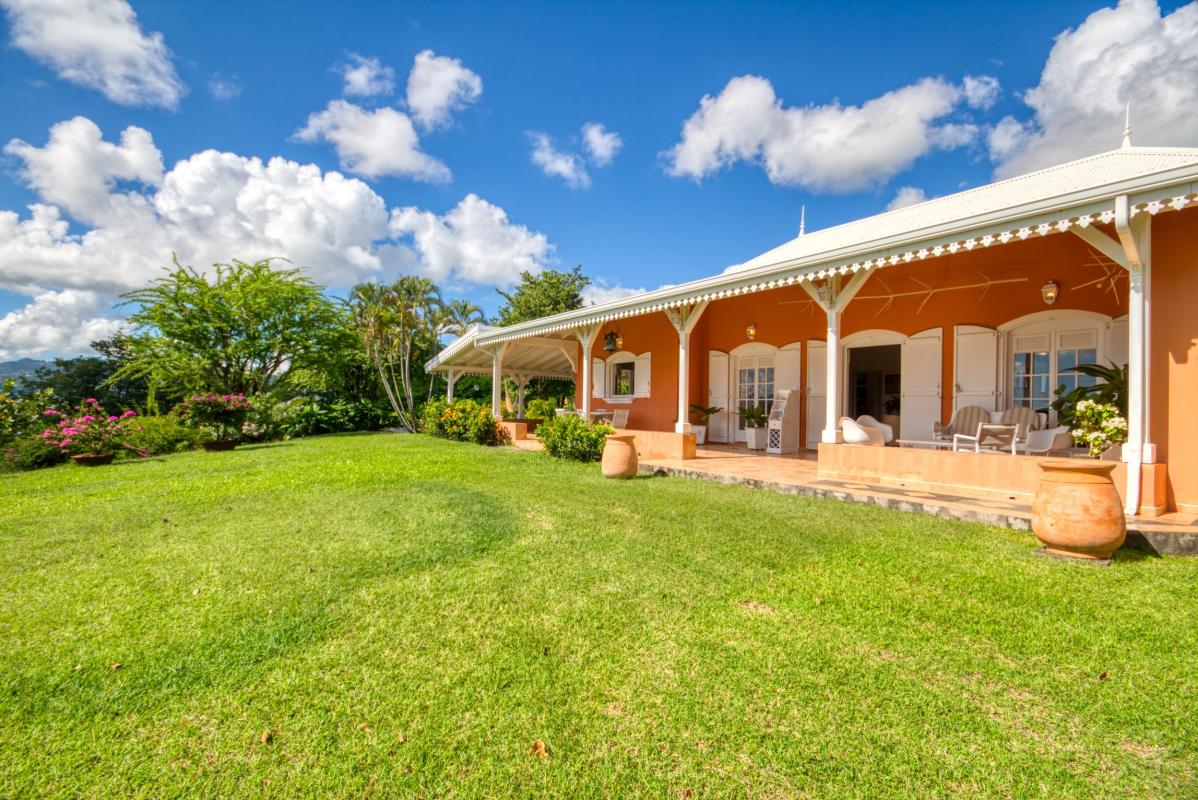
704 413
239 329
217 414
1110 389
21 414
30 452
395 322
457 316
162 435
539 408
90 431
462 421
1099 426
570 437
754 416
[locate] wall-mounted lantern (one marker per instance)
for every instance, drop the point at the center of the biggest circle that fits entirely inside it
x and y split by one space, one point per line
611 342
751 331
1050 291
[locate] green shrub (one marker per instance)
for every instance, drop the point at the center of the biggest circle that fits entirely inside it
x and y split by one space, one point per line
570 437
22 416
157 436
539 408
32 452
464 421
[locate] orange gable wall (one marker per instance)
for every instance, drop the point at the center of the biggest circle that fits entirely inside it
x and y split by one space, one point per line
1173 360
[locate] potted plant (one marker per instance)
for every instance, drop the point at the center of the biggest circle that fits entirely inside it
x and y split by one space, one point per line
755 421
219 416
91 437
703 414
1076 511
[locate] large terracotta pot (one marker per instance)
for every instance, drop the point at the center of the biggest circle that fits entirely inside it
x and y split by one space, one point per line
219 445
619 456
93 459
1077 511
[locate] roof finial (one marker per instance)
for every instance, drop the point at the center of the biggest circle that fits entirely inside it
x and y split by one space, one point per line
1127 127
803 221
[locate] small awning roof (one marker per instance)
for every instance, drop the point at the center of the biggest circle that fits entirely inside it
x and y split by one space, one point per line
536 357
1053 200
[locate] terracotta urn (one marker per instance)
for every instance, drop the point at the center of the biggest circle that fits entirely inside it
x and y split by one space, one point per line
619 456
1077 512
219 445
93 459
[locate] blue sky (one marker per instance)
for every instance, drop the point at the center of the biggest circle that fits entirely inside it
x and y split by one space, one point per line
666 208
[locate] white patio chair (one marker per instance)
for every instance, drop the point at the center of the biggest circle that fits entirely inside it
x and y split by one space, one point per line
859 434
562 412
1049 441
988 437
966 420
619 418
866 421
1025 419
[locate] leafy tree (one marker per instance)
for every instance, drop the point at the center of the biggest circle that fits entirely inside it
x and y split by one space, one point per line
550 292
397 324
73 380
240 329
458 315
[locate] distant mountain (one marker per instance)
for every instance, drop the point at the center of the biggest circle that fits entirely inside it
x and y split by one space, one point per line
21 367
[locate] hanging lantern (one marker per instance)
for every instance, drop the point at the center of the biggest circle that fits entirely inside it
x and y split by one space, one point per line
751 331
619 342
609 342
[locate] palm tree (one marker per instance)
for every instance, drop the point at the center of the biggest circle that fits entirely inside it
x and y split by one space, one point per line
390 320
458 315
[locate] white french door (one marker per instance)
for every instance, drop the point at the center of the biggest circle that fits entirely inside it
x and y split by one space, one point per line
754 387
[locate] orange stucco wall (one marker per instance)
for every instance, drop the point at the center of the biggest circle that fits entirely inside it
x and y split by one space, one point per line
786 315
1173 360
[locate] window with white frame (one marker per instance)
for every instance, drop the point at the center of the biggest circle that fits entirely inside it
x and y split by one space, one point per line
1042 356
623 378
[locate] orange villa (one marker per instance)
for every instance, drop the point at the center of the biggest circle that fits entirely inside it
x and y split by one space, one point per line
986 298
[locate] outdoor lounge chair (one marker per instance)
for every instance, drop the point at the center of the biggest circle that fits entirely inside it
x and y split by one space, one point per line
619 418
989 436
1047 442
866 421
966 420
1022 417
859 434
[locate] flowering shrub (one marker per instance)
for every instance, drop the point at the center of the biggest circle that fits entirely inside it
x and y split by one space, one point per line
21 416
464 421
221 415
1099 426
91 430
570 437
162 435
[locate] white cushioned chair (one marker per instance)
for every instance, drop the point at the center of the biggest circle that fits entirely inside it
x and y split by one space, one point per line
866 421
1048 441
966 421
855 433
619 418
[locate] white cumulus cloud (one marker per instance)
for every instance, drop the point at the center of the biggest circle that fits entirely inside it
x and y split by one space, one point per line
603 291
373 143
98 44
981 91
558 164
54 323
474 242
1130 53
224 88
366 77
600 143
907 196
438 86
823 148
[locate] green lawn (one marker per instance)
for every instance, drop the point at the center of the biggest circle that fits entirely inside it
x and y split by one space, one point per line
381 615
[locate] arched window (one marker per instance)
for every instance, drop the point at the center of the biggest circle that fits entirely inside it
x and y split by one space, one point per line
1042 349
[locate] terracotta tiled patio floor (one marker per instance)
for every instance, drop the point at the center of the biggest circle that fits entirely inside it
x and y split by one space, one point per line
798 474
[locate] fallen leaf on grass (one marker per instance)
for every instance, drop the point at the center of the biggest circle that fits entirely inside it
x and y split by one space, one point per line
401 738
115 666
267 737
195 592
78 667
539 750
365 726
1104 676
755 607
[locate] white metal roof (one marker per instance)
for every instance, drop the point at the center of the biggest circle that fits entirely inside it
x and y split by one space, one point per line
1049 201
535 357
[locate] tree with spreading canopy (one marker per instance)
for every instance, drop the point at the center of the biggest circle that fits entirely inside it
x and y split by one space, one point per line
239 328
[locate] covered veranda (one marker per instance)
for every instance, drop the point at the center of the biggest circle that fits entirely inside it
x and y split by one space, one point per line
983 260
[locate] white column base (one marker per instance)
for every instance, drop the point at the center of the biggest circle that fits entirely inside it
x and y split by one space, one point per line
832 437
1148 454
682 427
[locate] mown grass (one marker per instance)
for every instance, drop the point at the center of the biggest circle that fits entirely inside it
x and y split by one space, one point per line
400 616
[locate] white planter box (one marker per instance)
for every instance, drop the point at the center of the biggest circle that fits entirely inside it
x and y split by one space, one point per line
700 432
756 438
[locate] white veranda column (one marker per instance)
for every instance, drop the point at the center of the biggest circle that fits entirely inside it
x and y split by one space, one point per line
497 381
684 320
451 378
832 434
521 382
587 337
